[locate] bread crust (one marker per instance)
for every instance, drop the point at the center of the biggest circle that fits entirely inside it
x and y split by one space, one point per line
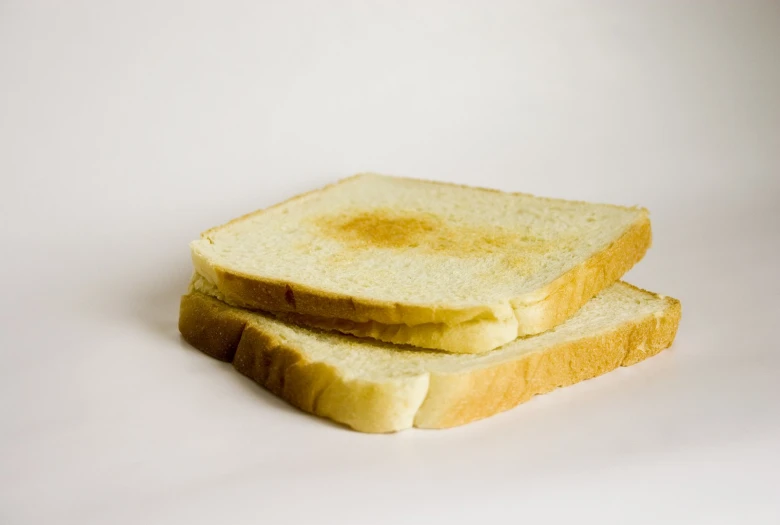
428 400
532 313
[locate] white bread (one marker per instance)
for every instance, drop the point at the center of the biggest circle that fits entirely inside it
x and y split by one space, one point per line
428 264
377 387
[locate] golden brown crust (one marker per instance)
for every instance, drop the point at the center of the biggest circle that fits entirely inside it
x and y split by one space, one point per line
207 326
282 296
567 294
456 399
227 333
429 401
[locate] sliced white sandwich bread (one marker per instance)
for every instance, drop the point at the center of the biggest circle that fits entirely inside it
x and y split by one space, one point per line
422 263
378 387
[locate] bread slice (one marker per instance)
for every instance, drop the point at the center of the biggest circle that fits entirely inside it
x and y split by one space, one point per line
423 263
377 387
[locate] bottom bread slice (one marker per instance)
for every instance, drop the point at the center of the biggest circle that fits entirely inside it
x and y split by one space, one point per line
379 387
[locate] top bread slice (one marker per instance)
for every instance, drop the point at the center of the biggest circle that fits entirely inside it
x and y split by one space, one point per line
429 264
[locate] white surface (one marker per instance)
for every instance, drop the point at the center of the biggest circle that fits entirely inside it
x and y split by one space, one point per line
127 128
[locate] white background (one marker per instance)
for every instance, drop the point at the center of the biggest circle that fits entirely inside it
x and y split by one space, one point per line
126 128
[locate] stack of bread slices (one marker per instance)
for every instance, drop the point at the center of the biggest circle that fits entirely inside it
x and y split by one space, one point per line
385 303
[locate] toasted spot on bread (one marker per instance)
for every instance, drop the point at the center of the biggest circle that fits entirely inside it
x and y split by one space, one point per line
429 233
381 228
